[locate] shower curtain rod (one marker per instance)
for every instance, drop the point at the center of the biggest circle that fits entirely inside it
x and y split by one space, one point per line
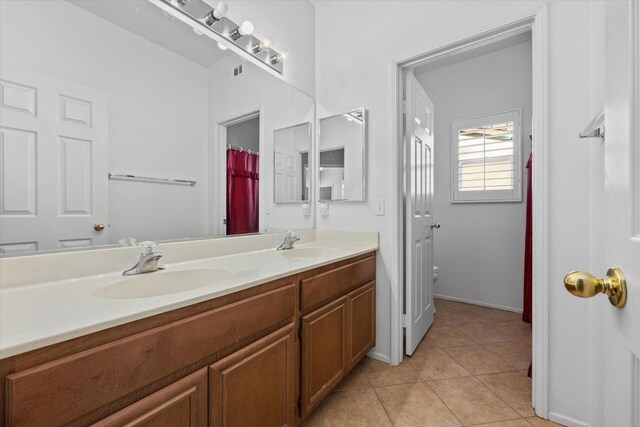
231 147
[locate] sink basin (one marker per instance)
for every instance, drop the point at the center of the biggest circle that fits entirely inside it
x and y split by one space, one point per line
306 252
162 283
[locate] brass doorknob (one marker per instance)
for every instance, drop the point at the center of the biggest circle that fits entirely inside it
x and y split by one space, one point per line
585 285
98 226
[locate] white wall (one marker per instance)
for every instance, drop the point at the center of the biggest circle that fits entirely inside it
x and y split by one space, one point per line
245 134
355 49
480 247
291 24
280 105
154 102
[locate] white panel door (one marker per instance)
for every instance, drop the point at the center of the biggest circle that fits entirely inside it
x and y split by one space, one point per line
53 177
419 307
622 199
288 174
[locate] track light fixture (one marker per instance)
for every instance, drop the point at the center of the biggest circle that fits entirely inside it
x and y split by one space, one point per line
214 17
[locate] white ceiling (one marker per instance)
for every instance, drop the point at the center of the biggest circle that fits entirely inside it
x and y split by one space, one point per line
148 21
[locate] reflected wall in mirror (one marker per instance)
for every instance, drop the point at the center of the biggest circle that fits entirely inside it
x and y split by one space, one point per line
92 87
342 158
291 177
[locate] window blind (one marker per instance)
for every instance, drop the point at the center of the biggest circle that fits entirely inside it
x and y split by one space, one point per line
486 158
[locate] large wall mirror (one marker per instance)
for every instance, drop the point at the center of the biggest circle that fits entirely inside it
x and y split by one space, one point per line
119 123
342 156
291 177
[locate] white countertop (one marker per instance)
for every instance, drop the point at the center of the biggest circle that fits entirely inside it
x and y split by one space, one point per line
40 314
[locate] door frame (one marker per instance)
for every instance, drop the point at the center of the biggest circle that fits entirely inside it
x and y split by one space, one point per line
219 163
536 22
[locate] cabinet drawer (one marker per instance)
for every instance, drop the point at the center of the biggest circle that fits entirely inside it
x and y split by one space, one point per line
326 286
183 403
58 392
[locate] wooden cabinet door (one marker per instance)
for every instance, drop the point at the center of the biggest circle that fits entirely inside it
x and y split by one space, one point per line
324 351
183 403
362 322
255 385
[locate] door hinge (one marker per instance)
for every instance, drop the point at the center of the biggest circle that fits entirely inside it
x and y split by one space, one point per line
404 321
403 107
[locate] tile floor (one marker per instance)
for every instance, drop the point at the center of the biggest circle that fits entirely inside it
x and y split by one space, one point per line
470 369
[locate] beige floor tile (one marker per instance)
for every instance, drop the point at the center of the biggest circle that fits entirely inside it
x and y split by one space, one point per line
433 363
516 353
471 401
313 420
483 333
415 405
503 316
511 423
456 316
484 314
354 408
382 374
448 336
356 379
539 422
514 329
512 387
478 360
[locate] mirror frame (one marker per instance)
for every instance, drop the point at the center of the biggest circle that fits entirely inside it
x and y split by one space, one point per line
310 164
364 156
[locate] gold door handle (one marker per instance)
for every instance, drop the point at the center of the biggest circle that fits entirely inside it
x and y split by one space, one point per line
585 285
98 226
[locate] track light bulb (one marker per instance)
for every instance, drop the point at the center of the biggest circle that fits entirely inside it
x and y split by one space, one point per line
245 29
265 43
220 11
280 56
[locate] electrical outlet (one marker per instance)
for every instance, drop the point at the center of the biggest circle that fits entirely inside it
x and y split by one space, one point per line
306 209
379 207
324 209
267 209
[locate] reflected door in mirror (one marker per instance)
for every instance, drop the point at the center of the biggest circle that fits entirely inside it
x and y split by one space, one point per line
291 147
53 140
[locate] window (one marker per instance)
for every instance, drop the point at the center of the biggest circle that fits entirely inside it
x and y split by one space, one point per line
485 158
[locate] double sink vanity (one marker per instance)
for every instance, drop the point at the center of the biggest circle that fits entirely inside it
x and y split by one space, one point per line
209 327
242 335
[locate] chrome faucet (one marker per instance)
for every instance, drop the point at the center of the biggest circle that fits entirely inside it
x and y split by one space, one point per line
289 239
148 261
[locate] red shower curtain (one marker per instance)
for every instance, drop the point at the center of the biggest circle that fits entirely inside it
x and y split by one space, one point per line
528 252
242 192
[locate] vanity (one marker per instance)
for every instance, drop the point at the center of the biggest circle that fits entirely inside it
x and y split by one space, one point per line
216 167
258 348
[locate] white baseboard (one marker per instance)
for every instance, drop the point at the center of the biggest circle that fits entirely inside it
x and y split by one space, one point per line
483 304
566 421
379 356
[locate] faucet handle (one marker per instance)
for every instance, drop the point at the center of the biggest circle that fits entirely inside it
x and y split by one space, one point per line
148 247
